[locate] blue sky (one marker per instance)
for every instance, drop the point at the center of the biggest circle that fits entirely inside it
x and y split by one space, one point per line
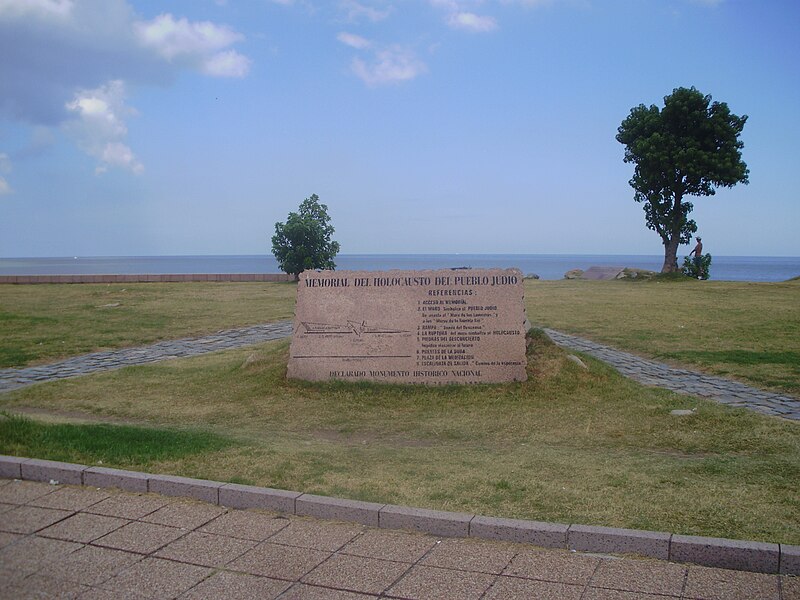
130 127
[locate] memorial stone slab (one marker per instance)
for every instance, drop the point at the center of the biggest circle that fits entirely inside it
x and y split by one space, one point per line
430 327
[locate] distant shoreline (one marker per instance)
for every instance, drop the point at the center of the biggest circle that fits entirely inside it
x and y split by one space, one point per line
546 266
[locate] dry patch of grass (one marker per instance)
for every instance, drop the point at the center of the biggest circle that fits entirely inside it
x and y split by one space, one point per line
568 445
42 323
748 331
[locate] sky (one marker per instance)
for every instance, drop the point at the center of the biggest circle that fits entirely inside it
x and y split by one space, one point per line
134 127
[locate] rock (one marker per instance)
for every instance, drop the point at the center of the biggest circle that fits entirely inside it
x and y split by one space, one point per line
602 273
682 412
251 360
629 273
531 276
577 361
574 274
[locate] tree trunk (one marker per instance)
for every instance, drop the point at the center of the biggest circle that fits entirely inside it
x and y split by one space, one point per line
671 255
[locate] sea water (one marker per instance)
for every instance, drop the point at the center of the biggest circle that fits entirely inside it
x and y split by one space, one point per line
546 266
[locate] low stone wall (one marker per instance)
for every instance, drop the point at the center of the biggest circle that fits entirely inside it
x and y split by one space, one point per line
169 278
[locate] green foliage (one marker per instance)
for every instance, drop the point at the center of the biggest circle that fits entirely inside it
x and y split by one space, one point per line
698 269
688 148
304 241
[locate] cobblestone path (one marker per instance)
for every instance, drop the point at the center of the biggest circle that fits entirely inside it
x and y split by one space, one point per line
648 372
644 371
114 359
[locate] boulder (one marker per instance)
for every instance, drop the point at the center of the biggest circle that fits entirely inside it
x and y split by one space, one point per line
629 273
574 274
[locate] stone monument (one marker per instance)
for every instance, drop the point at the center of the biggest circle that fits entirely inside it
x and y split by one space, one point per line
432 327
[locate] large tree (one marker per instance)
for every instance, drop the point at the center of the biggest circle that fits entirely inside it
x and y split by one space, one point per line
688 148
304 241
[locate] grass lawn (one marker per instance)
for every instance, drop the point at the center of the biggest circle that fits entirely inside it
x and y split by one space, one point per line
42 323
568 445
748 331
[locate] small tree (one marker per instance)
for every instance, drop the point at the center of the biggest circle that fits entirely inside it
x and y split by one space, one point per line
304 241
697 268
687 149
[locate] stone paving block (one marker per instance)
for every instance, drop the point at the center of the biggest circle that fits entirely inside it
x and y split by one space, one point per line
10 467
279 562
158 578
205 549
724 584
35 469
470 555
560 567
144 538
91 565
199 489
390 545
38 586
640 576
759 557
308 533
33 553
70 498
435 522
103 477
22 492
589 538
29 519
303 591
511 588
128 505
356 574
9 538
323 507
186 514
790 588
790 560
593 593
236 586
545 535
432 583
235 495
83 527
246 525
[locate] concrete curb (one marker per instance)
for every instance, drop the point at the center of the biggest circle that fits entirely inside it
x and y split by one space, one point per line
759 557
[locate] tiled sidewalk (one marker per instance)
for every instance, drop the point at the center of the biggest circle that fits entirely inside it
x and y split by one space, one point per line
61 541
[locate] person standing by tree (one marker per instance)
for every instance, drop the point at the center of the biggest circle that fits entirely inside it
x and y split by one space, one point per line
688 148
698 255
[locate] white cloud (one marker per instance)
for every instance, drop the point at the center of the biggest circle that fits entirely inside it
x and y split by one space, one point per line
389 65
200 44
5 168
65 64
353 40
37 8
99 128
471 22
227 64
457 18
355 11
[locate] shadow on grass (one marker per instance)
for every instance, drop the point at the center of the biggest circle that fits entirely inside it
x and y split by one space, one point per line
109 444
